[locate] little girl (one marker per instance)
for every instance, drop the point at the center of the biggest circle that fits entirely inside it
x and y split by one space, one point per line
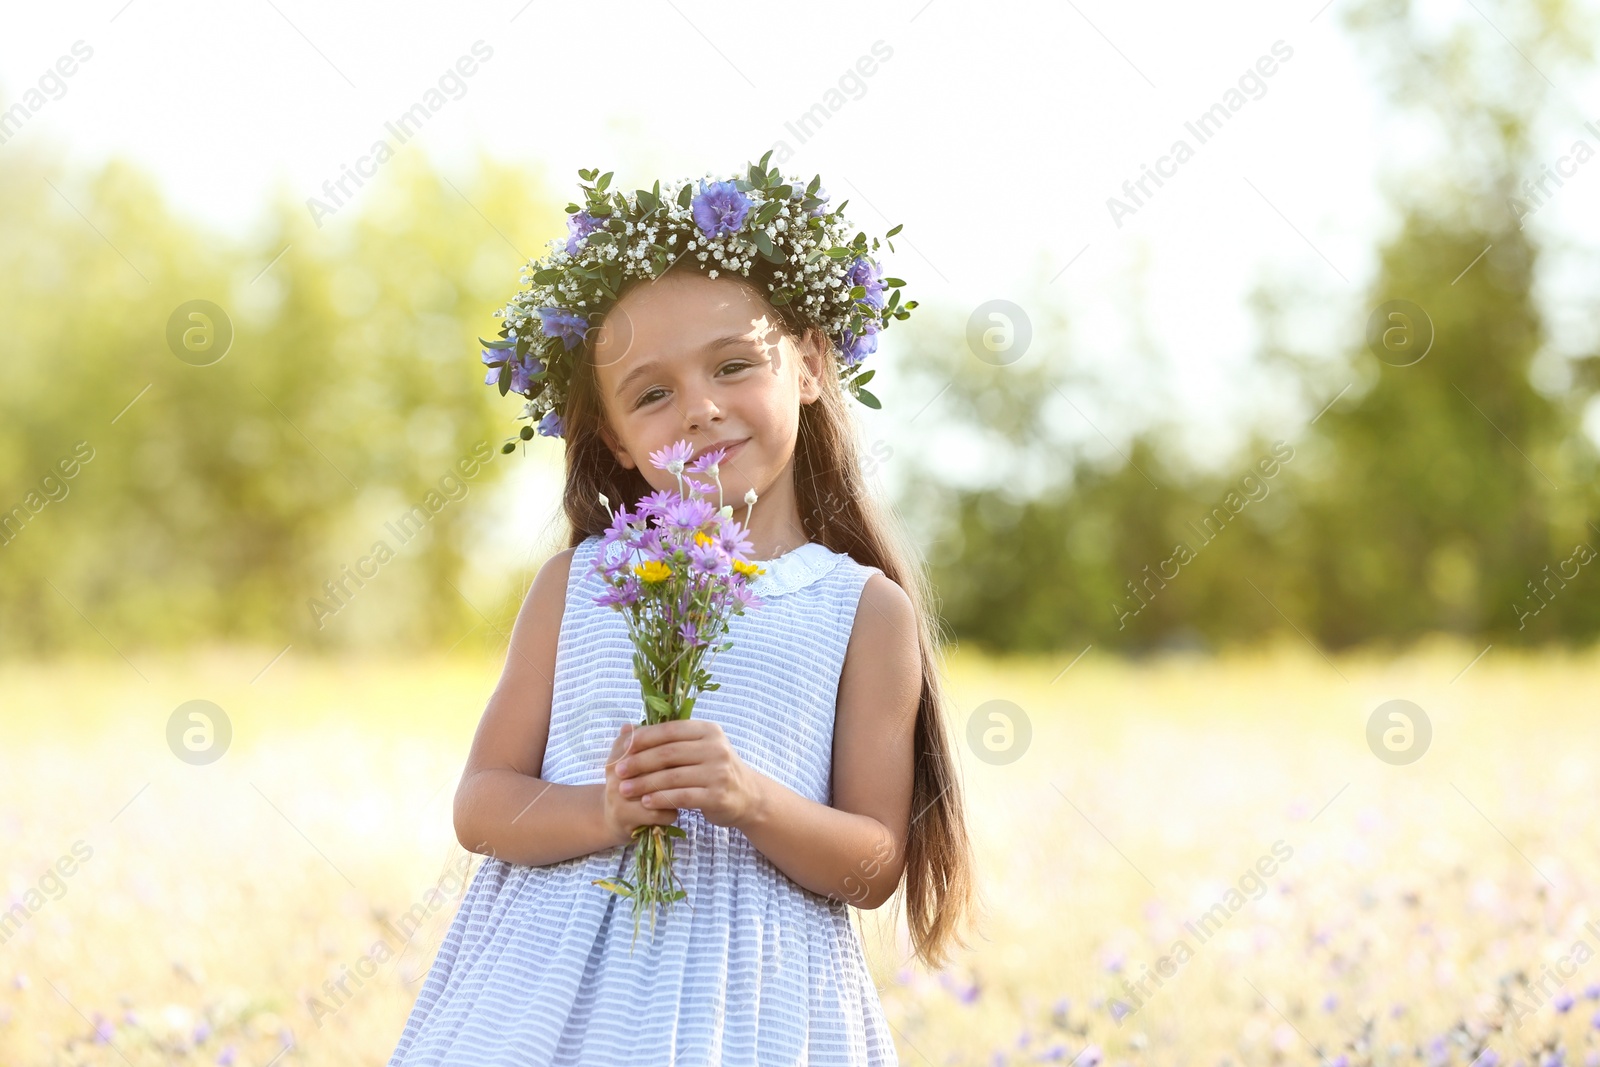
817 777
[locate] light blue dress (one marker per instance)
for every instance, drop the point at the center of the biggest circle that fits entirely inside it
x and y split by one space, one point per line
750 968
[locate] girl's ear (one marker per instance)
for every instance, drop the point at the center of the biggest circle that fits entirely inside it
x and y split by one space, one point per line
617 451
812 353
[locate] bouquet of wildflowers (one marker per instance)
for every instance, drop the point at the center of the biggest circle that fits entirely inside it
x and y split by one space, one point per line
678 584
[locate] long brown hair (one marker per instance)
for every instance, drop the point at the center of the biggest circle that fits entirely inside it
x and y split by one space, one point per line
939 887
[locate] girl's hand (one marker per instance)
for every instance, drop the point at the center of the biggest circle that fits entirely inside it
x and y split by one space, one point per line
623 814
688 763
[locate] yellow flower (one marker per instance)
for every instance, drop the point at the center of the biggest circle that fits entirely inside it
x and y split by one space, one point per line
703 539
652 571
749 570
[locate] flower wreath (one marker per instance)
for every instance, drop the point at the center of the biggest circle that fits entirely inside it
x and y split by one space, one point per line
615 237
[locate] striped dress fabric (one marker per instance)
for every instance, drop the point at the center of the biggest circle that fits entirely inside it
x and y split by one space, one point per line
750 968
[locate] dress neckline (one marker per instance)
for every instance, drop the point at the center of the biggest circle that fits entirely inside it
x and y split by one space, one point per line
793 570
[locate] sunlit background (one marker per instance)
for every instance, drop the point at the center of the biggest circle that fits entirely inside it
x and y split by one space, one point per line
1248 423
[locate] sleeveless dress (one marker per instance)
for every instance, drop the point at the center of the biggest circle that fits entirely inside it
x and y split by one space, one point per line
750 968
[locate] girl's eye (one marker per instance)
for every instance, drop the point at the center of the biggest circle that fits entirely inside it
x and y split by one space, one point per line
735 366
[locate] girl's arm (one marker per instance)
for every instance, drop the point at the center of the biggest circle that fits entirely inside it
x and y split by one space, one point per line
855 850
502 808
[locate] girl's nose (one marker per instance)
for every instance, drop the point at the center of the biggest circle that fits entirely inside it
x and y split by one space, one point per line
701 413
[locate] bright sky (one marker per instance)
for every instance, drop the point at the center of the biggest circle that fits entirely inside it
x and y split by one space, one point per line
995 135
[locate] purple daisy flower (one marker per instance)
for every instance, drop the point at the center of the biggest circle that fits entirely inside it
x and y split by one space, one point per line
623 597
653 504
677 452
580 226
866 273
567 325
708 559
731 538
705 462
1563 1001
719 208
689 513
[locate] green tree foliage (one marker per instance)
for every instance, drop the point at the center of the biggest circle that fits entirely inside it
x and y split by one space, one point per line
1453 494
217 505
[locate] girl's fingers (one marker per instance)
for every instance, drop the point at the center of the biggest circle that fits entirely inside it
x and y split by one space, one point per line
672 754
636 788
671 798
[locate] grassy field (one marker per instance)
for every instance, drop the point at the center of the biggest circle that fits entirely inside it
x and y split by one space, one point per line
1186 862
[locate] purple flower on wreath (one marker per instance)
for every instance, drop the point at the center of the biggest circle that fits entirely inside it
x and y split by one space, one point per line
567 325
550 425
522 370
866 273
855 349
580 226
719 208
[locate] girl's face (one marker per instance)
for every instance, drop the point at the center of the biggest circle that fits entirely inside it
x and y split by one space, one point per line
686 357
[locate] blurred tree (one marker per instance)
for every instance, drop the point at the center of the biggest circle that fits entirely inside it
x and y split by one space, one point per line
1451 493
247 499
